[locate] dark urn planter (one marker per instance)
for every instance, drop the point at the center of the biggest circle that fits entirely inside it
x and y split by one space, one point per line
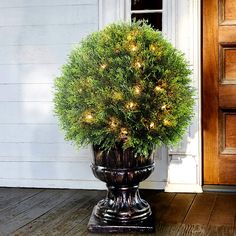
122 210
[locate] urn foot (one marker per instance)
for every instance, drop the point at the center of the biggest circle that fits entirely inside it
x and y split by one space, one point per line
97 225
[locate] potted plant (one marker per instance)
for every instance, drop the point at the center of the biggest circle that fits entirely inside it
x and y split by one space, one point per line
124 90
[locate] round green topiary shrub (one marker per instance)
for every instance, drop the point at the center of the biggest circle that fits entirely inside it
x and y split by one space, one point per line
125 84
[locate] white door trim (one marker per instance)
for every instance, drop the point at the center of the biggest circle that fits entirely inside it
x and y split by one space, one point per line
185 166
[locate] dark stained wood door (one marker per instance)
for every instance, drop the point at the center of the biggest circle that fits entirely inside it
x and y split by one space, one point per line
219 91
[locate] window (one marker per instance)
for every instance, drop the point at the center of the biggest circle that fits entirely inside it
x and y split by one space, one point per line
150 10
161 14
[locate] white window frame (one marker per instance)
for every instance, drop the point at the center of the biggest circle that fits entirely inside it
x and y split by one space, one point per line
168 17
120 10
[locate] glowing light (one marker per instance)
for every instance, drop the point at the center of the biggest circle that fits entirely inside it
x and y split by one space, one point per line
114 123
123 131
138 64
123 134
130 37
133 48
158 89
103 66
152 47
152 125
88 117
163 107
137 89
131 105
166 122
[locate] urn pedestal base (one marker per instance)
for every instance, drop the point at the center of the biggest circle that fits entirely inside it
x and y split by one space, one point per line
122 210
96 225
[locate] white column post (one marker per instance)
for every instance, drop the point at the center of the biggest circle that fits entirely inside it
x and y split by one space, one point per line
185 162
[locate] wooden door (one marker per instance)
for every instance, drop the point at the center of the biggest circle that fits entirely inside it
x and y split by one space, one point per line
219 91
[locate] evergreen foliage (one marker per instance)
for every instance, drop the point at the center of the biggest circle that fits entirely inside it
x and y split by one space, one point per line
125 84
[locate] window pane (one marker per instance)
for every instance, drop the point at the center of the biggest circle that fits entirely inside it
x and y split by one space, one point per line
154 19
146 4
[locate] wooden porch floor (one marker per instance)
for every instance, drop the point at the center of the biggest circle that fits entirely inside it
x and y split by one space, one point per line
66 212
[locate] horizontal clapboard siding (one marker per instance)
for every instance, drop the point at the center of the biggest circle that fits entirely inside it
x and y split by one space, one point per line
31 170
28 73
23 151
36 37
41 133
26 92
34 54
44 35
27 113
30 3
48 15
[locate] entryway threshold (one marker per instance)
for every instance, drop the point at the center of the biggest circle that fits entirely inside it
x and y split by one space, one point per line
219 188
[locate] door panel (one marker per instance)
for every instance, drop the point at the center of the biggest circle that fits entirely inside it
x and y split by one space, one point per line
219 91
228 10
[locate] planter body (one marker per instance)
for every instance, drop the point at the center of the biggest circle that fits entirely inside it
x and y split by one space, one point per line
122 210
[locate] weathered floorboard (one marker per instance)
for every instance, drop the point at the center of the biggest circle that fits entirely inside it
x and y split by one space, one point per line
12 196
201 209
28 210
192 230
54 215
160 202
48 212
178 208
224 211
72 217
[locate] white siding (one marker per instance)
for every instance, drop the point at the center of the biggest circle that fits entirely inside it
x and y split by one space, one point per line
30 3
48 15
36 36
26 113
